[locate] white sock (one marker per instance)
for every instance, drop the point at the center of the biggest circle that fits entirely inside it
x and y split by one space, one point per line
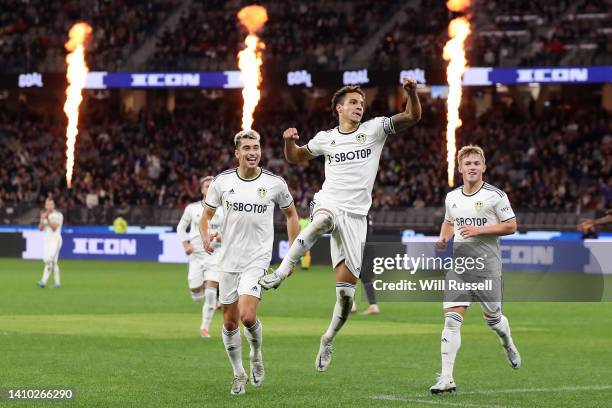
345 292
46 272
209 307
501 327
56 273
233 347
450 342
321 223
197 296
254 335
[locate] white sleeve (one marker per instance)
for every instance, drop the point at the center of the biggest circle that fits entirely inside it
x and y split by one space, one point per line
503 209
448 218
181 228
383 126
283 197
315 145
213 197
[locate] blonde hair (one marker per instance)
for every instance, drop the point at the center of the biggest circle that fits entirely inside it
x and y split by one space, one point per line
470 149
205 179
246 134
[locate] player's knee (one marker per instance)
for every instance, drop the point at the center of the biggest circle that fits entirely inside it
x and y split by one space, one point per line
452 321
248 318
230 325
322 222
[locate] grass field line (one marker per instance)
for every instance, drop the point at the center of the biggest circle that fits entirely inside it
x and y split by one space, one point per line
419 398
435 402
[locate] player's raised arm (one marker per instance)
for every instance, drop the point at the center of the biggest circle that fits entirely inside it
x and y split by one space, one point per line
294 153
412 114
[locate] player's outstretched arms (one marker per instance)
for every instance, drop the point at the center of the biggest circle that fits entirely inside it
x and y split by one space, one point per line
412 114
294 153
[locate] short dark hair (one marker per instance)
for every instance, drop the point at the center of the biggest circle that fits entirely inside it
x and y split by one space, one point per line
338 98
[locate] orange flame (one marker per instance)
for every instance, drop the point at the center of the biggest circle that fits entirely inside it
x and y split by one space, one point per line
454 52
76 74
250 60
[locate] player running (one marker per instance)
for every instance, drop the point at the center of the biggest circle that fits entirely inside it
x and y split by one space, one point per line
477 214
203 278
51 222
248 194
352 152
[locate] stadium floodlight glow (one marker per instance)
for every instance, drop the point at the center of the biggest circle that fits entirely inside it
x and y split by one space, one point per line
253 18
454 53
76 75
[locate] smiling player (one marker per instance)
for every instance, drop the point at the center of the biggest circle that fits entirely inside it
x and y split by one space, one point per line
477 214
248 195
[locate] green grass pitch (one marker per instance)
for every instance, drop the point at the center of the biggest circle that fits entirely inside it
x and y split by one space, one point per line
126 334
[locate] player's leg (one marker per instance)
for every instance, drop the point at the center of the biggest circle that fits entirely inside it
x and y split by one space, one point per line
56 269
322 222
368 286
249 291
449 345
210 302
195 278
228 295
346 245
48 262
345 293
46 273
492 313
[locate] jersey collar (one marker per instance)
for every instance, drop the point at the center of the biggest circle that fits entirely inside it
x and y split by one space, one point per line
247 180
348 133
475 192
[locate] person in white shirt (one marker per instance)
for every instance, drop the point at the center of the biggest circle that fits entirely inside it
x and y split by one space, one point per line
50 223
248 195
477 214
202 277
352 151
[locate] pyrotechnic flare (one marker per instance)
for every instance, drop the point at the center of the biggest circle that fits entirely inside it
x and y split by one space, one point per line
454 52
76 74
250 59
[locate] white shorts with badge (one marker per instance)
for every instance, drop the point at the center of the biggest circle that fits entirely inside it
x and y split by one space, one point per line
201 269
232 285
348 236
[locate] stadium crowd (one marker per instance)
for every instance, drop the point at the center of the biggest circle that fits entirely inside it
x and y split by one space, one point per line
33 32
208 36
313 34
560 160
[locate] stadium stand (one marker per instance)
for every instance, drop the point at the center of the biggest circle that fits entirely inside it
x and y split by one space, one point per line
147 165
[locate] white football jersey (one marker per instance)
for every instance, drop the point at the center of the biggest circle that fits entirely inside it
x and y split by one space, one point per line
248 225
55 217
191 218
487 206
351 162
